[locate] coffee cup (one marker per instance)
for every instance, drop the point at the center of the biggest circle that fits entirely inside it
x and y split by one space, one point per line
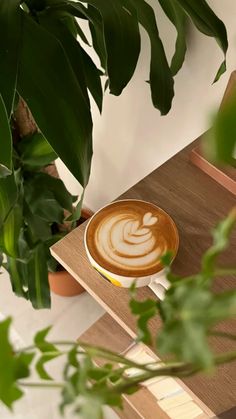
125 242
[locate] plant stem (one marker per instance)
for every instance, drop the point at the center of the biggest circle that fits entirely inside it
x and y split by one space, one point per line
40 384
225 271
223 335
96 351
178 371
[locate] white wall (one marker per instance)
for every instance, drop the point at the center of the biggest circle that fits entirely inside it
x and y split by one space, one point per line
131 138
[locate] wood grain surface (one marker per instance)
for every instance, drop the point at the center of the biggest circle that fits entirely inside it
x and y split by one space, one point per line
196 203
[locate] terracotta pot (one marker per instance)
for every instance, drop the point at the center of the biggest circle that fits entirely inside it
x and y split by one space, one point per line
62 283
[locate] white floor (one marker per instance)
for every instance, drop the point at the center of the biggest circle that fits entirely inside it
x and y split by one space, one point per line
70 317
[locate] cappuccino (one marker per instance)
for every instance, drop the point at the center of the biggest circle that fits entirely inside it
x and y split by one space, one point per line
129 237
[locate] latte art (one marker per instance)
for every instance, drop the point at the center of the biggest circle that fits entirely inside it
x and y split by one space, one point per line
125 240
128 238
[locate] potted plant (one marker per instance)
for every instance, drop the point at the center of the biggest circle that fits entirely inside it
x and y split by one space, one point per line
45 64
39 219
190 314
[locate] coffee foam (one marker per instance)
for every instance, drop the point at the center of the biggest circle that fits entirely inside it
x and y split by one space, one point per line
129 237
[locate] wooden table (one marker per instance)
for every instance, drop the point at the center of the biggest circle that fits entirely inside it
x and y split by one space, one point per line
196 203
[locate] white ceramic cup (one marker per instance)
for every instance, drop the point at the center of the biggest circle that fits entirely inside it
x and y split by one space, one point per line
157 282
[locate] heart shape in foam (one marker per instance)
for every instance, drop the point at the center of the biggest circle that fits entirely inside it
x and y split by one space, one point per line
149 219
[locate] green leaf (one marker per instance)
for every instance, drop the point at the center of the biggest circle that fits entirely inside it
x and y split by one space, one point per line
184 312
6 142
35 151
95 25
10 232
167 258
96 29
55 98
81 34
9 392
18 277
42 187
92 78
83 67
208 23
161 79
23 363
219 143
10 35
41 343
221 240
223 307
122 40
40 229
145 310
39 292
40 365
48 208
179 19
8 196
77 212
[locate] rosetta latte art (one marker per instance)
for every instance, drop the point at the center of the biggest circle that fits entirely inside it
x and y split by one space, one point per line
130 241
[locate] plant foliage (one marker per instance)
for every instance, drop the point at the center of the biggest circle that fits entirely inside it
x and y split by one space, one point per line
189 313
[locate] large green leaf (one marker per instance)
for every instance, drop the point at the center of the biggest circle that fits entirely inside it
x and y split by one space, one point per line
55 98
6 142
93 80
208 23
18 276
178 17
8 196
40 184
43 204
10 35
96 29
39 292
35 151
161 79
10 232
95 25
122 40
40 229
86 72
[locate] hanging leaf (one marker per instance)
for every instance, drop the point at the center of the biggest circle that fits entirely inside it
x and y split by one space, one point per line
179 19
122 40
55 98
35 151
40 186
8 196
18 276
10 232
10 35
93 79
208 23
161 80
96 29
6 142
83 67
39 292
